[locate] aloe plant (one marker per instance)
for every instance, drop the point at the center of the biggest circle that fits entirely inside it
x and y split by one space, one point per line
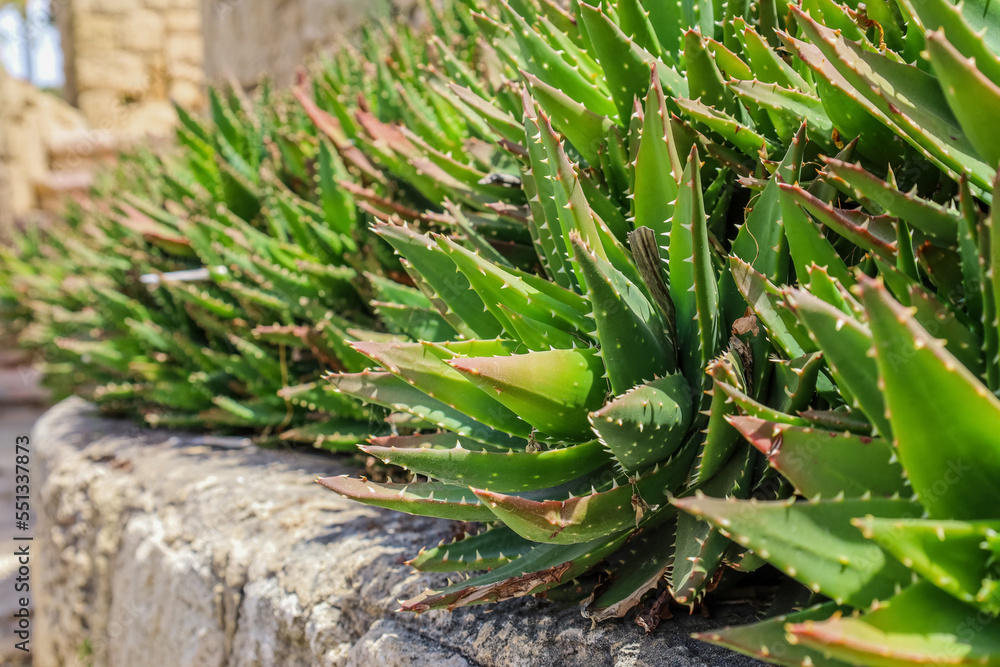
569 404
681 289
831 417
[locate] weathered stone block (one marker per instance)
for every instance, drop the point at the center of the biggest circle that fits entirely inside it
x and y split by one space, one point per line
25 144
116 6
181 71
75 7
29 118
111 70
187 94
152 119
103 108
16 96
142 30
93 31
179 20
186 47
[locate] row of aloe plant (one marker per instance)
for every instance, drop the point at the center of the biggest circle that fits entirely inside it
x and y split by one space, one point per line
215 284
194 286
616 393
689 288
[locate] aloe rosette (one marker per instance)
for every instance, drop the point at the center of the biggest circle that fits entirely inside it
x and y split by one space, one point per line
568 405
566 414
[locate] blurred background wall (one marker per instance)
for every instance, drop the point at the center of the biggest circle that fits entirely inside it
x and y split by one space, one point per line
81 79
124 60
30 120
244 38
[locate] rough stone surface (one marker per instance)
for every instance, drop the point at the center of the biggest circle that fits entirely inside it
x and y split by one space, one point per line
154 548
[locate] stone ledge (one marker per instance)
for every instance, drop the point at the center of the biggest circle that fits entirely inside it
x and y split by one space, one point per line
155 549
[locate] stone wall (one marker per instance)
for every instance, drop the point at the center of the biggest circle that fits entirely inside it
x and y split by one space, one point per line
126 59
29 121
245 39
157 548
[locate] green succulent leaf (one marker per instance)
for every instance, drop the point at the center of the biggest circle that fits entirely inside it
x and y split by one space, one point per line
583 128
767 639
420 367
973 98
340 435
649 556
741 135
693 284
815 542
905 98
547 64
699 546
628 328
647 424
807 243
390 391
749 406
950 462
922 214
625 63
658 168
518 291
952 555
488 550
552 391
826 463
463 308
502 472
720 437
434 499
585 518
920 625
963 26
870 233
541 568
795 382
845 343
767 303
